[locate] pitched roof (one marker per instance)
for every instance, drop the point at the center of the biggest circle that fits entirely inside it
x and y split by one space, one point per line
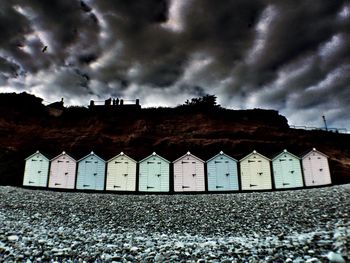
63 153
121 154
312 151
254 152
188 154
284 152
152 155
37 152
91 153
221 154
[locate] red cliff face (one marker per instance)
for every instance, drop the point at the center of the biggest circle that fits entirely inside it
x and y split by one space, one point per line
27 126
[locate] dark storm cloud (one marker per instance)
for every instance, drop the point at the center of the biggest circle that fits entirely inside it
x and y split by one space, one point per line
291 55
7 68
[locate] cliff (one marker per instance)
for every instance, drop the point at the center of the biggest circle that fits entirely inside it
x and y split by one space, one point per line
26 125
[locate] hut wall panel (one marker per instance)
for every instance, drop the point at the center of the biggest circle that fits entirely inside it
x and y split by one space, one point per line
164 180
178 177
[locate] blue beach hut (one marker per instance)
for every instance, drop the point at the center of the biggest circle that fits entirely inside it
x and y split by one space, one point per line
222 173
91 173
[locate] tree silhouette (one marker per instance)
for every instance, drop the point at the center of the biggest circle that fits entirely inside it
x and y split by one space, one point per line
207 101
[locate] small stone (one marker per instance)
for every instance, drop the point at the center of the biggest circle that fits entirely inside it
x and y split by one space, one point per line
134 249
158 258
13 238
313 260
41 241
129 258
335 257
298 260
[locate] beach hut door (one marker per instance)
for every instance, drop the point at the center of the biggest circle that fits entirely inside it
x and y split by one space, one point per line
223 175
34 171
154 174
125 174
189 175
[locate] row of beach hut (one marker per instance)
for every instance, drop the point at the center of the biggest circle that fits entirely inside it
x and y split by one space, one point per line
190 174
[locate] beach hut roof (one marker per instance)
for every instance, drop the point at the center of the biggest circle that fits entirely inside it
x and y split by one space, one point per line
37 152
283 152
188 154
312 151
121 154
90 154
152 155
221 153
254 152
63 153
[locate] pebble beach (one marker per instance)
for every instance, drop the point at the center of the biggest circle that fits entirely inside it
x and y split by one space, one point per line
309 225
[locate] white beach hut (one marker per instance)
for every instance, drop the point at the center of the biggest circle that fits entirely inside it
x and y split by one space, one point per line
36 170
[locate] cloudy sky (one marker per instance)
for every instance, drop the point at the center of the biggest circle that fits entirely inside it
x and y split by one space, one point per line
288 55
